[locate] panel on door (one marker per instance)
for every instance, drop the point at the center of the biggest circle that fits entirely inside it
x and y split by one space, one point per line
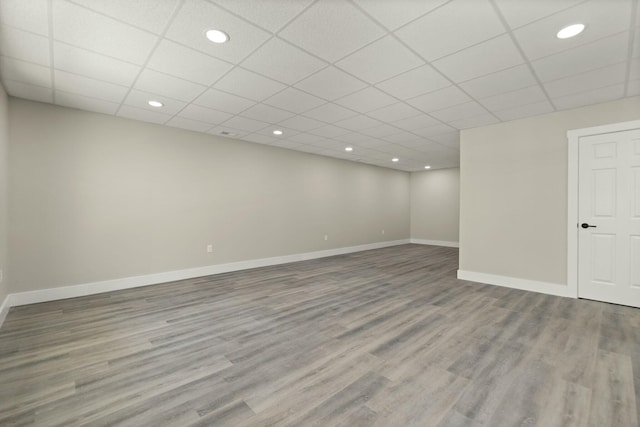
609 218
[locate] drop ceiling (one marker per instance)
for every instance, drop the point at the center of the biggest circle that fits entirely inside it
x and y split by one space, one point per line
390 78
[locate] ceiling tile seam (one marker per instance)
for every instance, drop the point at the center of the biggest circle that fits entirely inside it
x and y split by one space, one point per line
632 37
159 39
588 91
13 27
521 51
399 40
625 62
112 18
255 24
406 23
93 51
610 36
86 96
238 65
549 15
51 53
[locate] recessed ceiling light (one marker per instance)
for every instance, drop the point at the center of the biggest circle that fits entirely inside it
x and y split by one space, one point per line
348 149
427 167
395 159
570 31
277 132
217 36
156 104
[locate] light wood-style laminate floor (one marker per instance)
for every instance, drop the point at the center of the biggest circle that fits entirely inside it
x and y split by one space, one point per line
387 337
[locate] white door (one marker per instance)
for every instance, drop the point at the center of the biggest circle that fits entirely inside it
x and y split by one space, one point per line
609 218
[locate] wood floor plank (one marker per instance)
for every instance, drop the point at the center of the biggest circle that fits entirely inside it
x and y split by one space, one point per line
387 337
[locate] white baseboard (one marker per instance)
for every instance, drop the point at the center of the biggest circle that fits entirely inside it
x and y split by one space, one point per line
4 308
435 243
44 295
515 283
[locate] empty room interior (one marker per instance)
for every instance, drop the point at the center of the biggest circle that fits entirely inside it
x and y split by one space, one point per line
320 213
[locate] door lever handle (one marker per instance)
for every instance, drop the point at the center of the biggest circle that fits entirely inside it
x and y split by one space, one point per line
585 225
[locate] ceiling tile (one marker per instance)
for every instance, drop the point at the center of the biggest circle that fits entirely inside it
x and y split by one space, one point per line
519 13
283 62
502 81
401 137
193 125
329 131
530 95
305 138
26 91
223 101
269 15
454 26
590 80
439 99
25 46
415 122
461 111
80 102
266 113
301 123
171 58
330 84
352 137
366 100
140 99
394 112
482 59
83 28
292 99
433 130
206 115
474 122
245 124
25 72
172 87
414 82
603 18
393 14
584 58
449 139
525 111
248 85
142 115
329 113
596 96
73 83
94 65
376 144
381 131
358 123
366 63
32 15
198 16
332 29
151 15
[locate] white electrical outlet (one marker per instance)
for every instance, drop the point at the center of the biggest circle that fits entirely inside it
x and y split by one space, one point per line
209 248
382 231
1 276
326 237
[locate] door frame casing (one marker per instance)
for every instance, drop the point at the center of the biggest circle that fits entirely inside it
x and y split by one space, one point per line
573 137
